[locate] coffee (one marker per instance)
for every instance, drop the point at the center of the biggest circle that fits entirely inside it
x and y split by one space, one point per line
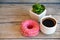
49 22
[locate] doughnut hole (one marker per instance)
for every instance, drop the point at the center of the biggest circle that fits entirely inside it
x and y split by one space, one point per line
30 26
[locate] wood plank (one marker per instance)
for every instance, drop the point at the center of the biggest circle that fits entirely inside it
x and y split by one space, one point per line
17 9
13 18
29 1
21 18
19 13
29 39
12 30
12 11
13 8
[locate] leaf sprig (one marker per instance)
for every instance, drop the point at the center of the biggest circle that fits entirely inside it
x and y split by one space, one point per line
38 8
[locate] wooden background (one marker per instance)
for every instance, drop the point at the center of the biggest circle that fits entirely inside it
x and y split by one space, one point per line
29 1
11 16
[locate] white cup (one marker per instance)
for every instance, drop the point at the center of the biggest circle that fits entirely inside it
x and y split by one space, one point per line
45 29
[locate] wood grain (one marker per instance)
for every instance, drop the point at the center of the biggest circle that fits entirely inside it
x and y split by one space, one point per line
11 17
12 30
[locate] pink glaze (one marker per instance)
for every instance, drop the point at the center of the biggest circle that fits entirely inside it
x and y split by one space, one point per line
30 28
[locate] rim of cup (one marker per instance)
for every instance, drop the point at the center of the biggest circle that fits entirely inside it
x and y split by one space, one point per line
46 18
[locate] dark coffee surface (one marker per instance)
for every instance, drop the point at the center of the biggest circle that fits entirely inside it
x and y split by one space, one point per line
48 23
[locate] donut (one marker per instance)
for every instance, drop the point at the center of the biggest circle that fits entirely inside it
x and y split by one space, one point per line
30 28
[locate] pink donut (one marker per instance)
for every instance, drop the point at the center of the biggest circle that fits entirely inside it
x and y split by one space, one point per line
30 28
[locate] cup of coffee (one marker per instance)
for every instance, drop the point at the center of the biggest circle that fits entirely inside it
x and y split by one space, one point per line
48 24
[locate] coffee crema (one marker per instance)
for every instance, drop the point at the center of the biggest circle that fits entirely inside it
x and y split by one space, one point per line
49 22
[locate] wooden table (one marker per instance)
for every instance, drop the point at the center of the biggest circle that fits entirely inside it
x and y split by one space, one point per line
11 16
